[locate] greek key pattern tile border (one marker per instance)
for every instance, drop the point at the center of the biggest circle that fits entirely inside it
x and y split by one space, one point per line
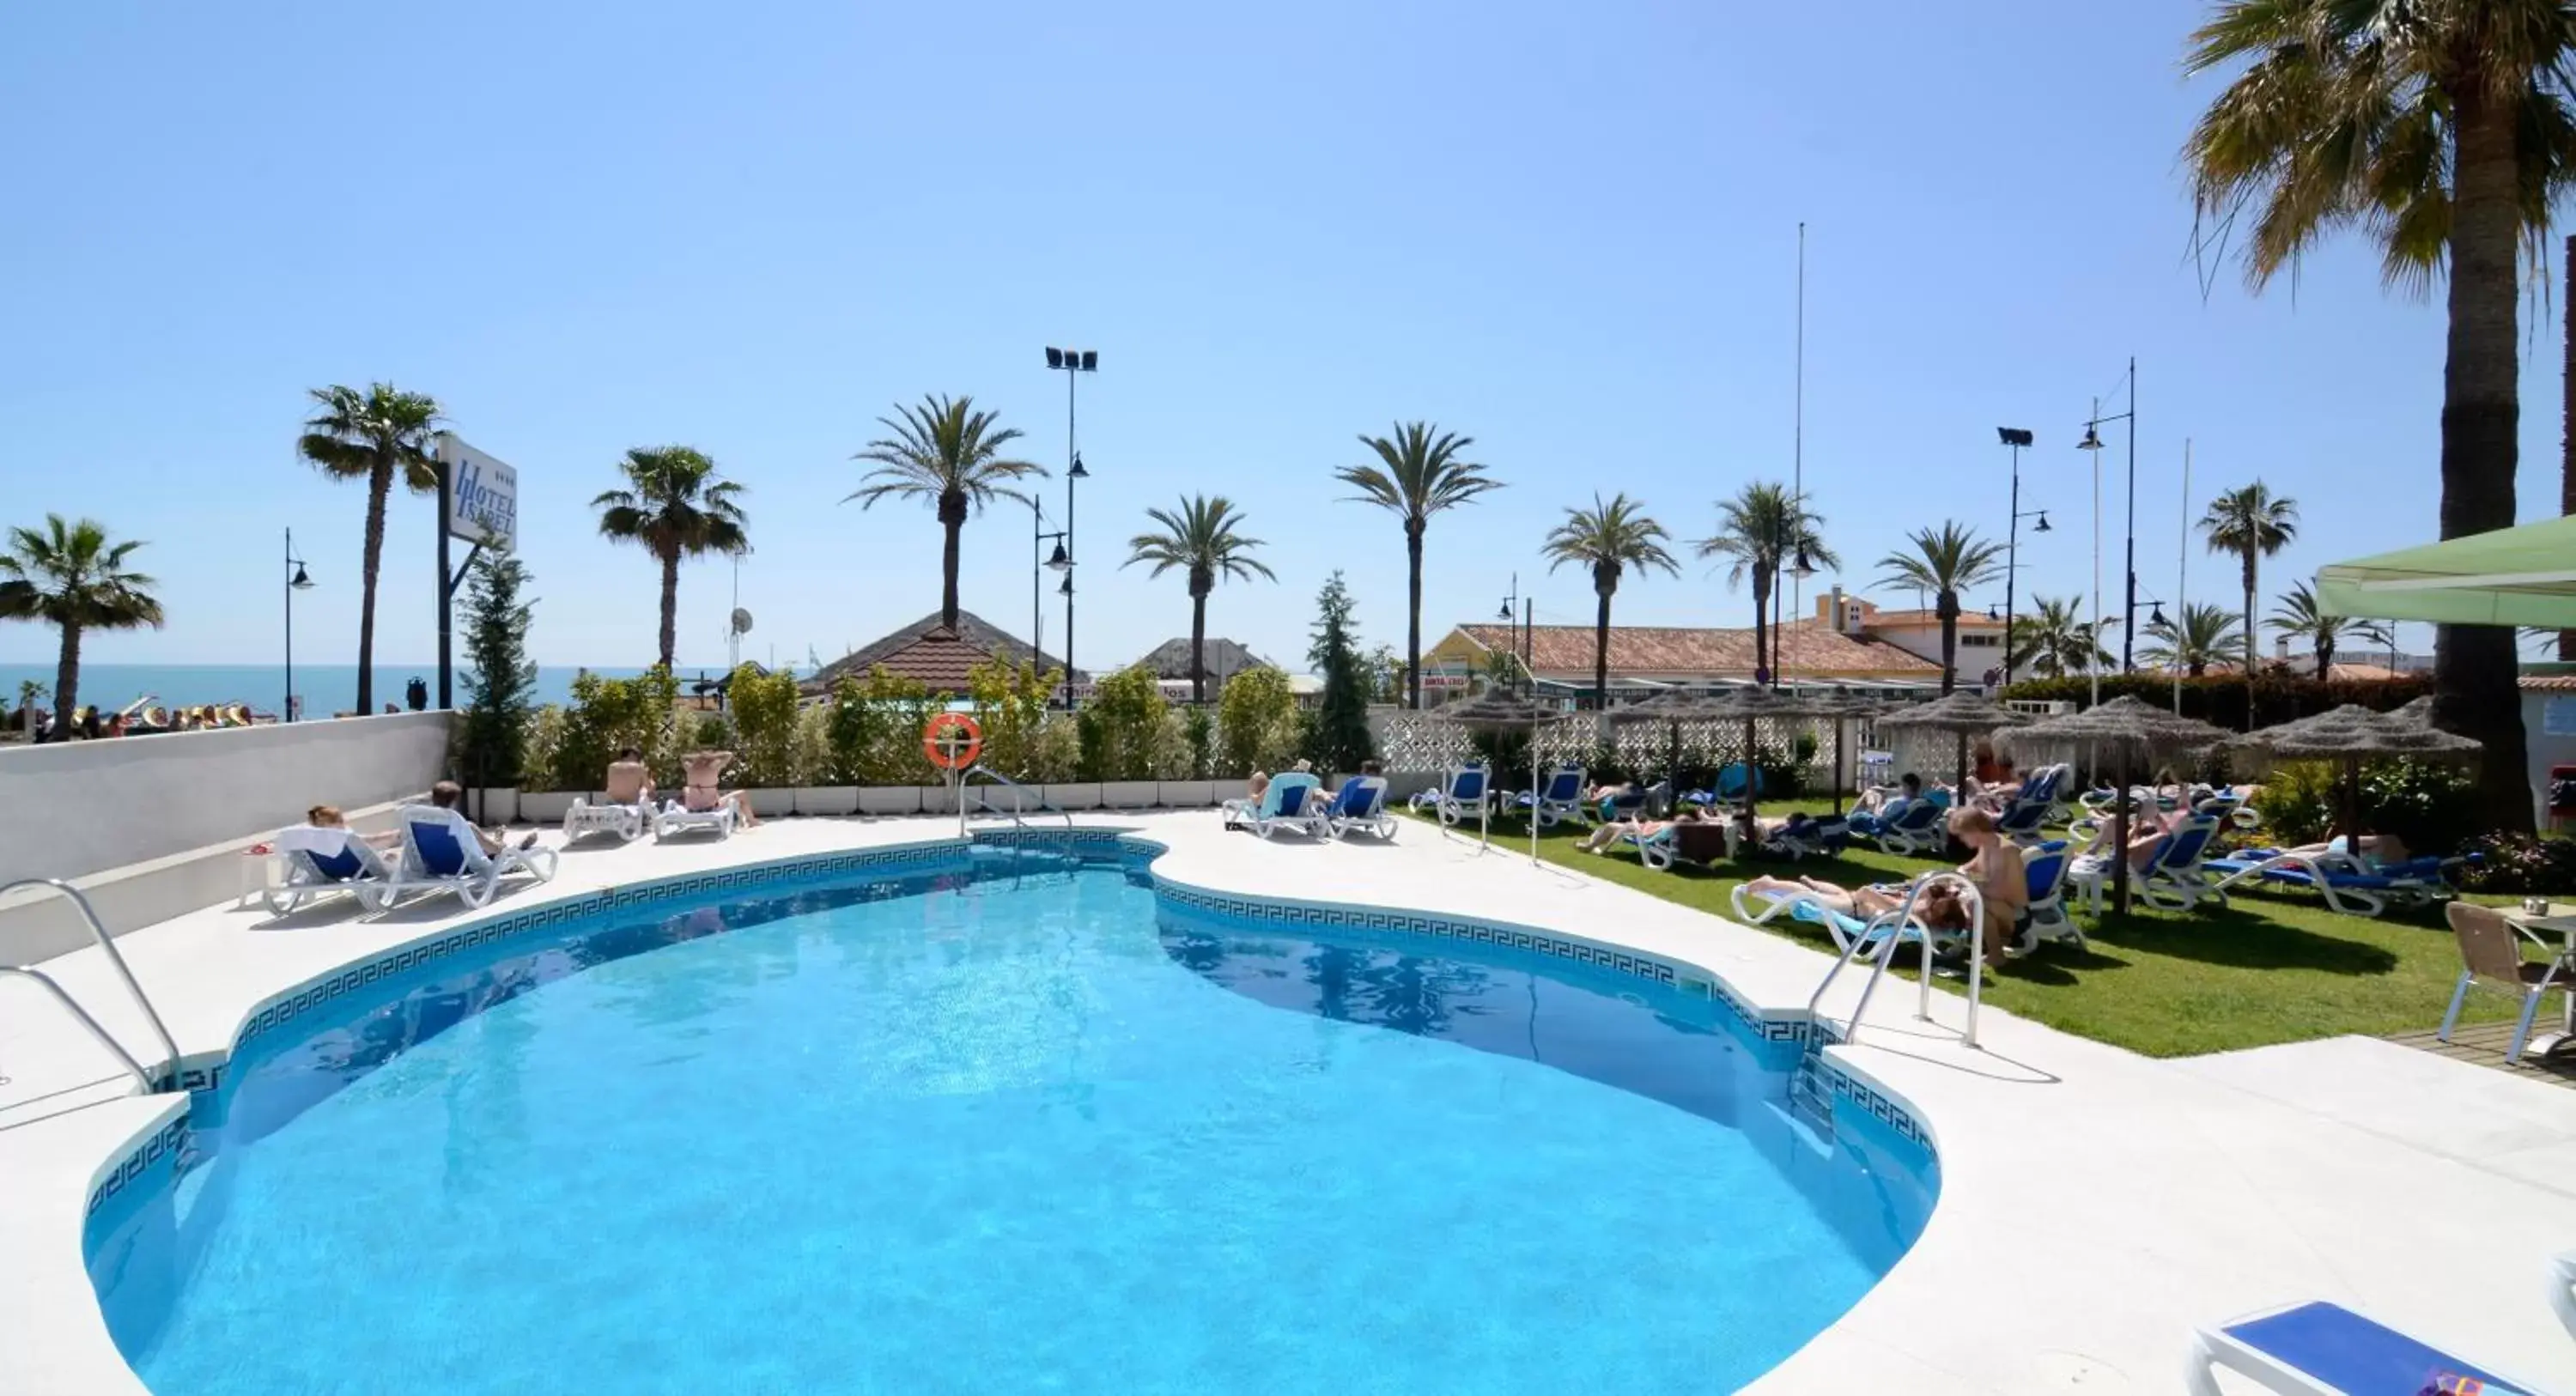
1866 1099
163 1145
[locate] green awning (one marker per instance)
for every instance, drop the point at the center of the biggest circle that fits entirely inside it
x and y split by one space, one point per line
2513 576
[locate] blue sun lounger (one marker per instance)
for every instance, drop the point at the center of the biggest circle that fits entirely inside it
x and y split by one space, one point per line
1463 795
1557 802
2321 1349
2356 887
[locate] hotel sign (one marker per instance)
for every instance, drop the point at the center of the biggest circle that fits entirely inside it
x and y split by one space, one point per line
483 495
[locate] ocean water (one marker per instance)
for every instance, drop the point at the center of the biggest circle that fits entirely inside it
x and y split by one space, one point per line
325 688
1004 1134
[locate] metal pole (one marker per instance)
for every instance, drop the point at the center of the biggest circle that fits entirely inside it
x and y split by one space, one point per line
1797 445
1071 457
446 664
2096 669
1037 569
286 713
2012 564
2182 568
2129 602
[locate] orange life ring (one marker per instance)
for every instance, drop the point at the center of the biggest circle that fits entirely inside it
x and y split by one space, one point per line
952 741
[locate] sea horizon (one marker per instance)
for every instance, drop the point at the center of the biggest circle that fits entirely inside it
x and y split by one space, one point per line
324 688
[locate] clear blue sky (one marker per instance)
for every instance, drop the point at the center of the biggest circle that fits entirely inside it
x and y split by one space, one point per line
754 227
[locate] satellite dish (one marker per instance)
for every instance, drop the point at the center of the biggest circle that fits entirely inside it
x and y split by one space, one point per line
741 621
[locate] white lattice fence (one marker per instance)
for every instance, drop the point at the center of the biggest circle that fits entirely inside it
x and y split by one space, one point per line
1416 743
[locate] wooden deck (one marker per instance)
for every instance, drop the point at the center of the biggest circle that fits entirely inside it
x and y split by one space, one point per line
2483 1044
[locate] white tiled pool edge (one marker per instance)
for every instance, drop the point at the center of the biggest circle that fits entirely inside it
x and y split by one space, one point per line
2094 1203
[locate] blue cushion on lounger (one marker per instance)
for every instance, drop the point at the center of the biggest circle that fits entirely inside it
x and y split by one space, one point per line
2344 1350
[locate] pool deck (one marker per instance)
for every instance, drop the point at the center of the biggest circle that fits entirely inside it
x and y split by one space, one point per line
2095 1205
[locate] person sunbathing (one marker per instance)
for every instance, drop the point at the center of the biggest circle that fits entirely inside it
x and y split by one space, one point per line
629 781
1641 830
1885 802
329 817
2376 848
2002 880
447 794
2148 830
1939 908
702 771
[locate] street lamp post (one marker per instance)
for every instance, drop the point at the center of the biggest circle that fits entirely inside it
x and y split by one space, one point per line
296 580
1521 612
1072 363
2016 438
1038 561
2129 567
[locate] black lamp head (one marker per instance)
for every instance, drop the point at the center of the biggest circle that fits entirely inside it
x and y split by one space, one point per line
1800 566
301 582
2156 616
1067 588
1055 357
1077 472
1992 614
2092 439
1506 611
1090 360
2042 526
2014 436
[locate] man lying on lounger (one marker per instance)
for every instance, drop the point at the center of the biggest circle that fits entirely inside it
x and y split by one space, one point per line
447 794
1609 834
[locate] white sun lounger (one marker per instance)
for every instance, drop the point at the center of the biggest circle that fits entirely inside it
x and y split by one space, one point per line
441 854
2321 1349
627 822
676 818
324 863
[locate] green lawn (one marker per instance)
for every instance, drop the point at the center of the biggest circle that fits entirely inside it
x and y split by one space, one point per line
2269 968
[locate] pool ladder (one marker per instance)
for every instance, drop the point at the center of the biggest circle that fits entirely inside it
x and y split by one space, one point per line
152 1084
1810 1098
1019 794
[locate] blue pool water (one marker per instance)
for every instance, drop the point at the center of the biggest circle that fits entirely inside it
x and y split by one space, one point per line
1001 1133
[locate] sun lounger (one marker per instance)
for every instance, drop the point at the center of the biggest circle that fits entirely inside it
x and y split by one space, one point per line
2321 1349
1463 795
677 818
1559 801
440 854
2562 1289
627 822
1816 838
2354 886
2047 866
1842 926
1920 829
2179 877
324 863
1359 807
1289 805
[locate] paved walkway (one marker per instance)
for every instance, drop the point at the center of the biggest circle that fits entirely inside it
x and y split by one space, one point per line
2095 1204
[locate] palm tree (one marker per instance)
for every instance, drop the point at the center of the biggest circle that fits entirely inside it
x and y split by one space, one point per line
2443 129
1607 538
2204 635
378 436
946 452
1759 532
1199 537
1420 473
2253 523
675 507
1945 562
2299 619
2055 640
70 575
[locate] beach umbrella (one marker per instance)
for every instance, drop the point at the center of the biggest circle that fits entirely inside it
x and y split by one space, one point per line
1751 705
2133 733
1671 708
1962 714
2352 734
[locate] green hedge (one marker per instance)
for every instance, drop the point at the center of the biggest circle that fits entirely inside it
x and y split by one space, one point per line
2220 698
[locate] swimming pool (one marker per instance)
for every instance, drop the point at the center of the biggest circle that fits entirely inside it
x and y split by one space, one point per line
1009 1125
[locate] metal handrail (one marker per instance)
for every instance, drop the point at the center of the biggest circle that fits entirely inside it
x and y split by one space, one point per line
115 958
1014 812
81 1016
1895 923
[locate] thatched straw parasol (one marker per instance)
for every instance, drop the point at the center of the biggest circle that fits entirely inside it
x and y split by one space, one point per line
2130 731
1671 708
1503 712
2352 734
1962 714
